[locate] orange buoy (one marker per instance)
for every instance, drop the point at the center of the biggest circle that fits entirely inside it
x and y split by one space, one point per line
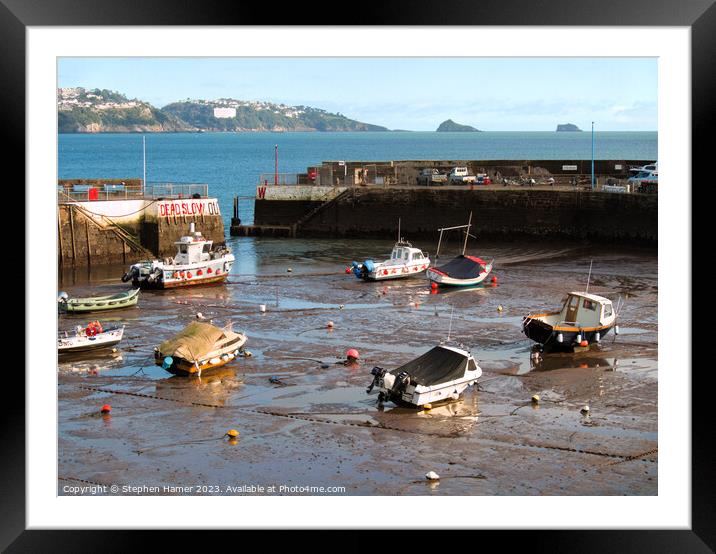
584 343
352 353
433 285
106 409
348 270
494 279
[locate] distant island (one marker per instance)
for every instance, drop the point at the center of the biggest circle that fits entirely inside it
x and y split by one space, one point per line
105 111
568 127
450 126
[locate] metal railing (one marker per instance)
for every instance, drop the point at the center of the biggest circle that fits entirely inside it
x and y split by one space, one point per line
114 191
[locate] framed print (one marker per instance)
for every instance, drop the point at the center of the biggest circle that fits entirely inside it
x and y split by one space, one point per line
297 272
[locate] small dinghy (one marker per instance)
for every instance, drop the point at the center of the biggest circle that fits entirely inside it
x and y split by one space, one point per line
441 374
405 261
462 271
92 337
197 348
124 299
583 320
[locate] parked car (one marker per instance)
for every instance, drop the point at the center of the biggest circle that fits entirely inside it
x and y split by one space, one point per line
431 176
483 180
460 175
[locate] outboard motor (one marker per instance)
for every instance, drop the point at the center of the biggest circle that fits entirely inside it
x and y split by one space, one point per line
377 373
401 382
133 273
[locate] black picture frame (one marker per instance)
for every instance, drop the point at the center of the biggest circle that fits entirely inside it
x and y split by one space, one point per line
699 15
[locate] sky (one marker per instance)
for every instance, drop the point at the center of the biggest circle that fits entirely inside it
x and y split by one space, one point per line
417 94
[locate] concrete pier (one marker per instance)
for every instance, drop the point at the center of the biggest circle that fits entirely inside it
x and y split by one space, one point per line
105 222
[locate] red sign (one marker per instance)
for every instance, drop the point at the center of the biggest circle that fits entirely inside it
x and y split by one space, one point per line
260 192
197 207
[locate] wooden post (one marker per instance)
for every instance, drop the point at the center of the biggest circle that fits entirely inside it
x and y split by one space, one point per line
89 257
59 232
72 232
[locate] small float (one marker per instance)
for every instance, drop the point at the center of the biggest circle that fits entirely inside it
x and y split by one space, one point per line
92 337
441 374
195 263
199 347
463 270
583 320
405 261
120 300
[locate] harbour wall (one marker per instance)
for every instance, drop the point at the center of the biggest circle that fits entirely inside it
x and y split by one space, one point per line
125 231
497 213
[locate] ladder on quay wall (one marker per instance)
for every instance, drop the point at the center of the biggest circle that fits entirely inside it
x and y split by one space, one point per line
106 224
306 217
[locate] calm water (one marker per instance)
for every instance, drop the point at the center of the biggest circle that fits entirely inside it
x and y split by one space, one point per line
231 163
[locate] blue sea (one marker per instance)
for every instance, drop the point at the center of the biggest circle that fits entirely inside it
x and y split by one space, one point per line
231 163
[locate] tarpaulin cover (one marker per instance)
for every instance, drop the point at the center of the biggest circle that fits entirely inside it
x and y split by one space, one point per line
437 365
194 341
463 267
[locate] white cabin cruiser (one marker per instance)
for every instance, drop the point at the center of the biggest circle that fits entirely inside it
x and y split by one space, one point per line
441 374
584 319
404 261
195 263
92 337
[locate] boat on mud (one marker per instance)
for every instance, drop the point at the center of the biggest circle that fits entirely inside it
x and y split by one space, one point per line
463 270
441 374
120 300
92 337
195 263
583 320
199 347
405 261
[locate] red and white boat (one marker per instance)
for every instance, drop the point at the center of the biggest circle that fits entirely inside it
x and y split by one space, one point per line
195 263
463 270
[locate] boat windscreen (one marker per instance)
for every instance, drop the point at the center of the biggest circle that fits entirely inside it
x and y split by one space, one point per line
463 267
437 365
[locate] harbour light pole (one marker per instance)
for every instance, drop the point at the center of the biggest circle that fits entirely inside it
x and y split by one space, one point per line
592 155
144 165
275 173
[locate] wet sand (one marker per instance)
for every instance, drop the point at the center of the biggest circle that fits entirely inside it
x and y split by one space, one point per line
317 427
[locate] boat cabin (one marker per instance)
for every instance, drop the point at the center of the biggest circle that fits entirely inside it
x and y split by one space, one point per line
587 310
192 249
404 253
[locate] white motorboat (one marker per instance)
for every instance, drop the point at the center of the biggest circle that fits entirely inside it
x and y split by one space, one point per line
405 261
195 263
441 374
92 337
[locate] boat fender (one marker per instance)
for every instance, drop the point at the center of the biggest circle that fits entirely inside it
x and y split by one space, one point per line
167 362
597 337
560 337
616 330
369 266
578 339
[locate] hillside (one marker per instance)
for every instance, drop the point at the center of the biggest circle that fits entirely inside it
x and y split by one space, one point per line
101 111
449 126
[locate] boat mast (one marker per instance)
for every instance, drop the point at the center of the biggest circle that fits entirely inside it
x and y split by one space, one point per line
589 276
398 229
467 234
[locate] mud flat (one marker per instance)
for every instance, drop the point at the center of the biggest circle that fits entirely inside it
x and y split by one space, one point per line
304 418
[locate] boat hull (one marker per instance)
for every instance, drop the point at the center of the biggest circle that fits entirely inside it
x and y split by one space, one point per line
439 393
548 335
98 304
107 339
160 284
384 274
441 278
211 361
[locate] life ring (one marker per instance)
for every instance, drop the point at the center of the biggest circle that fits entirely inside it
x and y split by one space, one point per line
91 330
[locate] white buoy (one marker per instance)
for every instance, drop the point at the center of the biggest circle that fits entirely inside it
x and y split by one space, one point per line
432 476
199 315
579 338
262 308
585 409
616 330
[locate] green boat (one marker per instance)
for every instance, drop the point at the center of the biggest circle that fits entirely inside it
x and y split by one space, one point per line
98 303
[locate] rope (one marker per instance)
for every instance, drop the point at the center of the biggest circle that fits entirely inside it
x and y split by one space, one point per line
364 425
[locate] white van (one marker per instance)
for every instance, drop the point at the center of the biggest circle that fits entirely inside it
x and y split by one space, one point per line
460 175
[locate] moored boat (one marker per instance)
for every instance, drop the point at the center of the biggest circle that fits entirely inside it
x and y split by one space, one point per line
195 263
120 300
405 261
92 337
199 347
583 320
441 374
463 270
